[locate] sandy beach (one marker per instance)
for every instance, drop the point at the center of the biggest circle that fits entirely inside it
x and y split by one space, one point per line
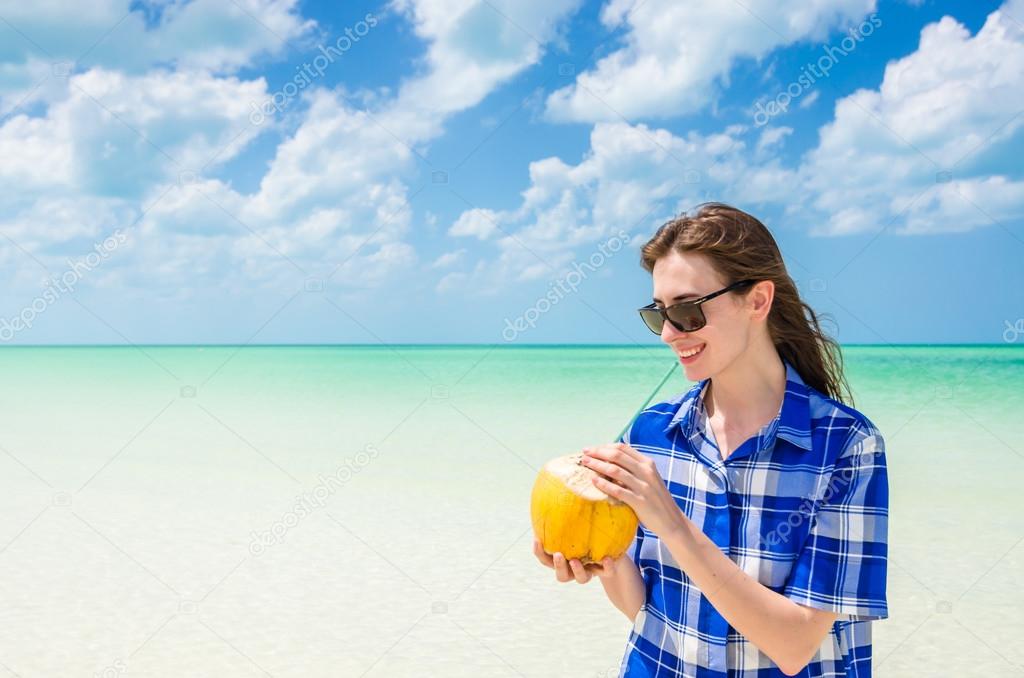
364 511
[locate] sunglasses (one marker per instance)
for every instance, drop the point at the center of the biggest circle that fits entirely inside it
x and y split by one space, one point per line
686 316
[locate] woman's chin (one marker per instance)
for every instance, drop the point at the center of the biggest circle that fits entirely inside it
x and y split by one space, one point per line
697 369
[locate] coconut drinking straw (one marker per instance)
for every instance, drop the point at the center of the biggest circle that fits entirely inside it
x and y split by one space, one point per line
646 402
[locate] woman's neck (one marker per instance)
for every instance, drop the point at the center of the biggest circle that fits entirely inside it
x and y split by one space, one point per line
750 390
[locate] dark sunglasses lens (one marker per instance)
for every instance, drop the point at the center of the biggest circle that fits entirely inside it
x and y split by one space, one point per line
652 319
689 318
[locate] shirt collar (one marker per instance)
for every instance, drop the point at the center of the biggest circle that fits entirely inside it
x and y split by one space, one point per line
792 423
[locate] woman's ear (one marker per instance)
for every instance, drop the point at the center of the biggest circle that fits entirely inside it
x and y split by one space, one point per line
760 298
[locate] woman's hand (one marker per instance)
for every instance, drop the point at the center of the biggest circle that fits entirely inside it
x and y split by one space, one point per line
574 569
628 476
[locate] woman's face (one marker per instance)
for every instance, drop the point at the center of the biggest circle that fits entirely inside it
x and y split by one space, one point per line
678 277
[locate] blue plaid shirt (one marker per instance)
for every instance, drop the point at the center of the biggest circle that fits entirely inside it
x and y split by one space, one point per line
802 507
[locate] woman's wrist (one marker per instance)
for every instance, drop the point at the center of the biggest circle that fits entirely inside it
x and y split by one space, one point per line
617 568
681 533
624 586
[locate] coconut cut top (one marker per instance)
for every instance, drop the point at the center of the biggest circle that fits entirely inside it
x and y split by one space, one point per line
578 478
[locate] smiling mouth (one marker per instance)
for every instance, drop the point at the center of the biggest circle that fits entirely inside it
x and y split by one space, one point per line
690 352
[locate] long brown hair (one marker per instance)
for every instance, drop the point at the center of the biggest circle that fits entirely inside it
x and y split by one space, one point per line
740 247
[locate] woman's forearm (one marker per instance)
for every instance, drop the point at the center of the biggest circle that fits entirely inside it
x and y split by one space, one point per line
785 631
625 589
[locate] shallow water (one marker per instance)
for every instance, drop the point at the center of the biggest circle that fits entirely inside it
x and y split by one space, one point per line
347 511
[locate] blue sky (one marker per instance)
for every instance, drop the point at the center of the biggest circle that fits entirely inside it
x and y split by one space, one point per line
230 171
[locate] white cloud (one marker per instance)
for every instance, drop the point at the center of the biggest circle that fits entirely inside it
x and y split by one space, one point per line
335 196
955 94
338 154
924 140
676 53
631 178
473 47
451 281
44 225
271 24
207 34
118 135
105 152
449 258
120 143
478 223
337 191
808 101
40 42
966 204
36 152
772 137
357 163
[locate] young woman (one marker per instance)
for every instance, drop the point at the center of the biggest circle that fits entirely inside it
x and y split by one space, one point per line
762 497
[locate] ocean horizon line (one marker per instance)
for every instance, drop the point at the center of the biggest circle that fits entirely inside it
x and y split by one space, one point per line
379 345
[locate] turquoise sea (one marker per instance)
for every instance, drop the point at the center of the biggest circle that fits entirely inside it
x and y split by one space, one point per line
363 510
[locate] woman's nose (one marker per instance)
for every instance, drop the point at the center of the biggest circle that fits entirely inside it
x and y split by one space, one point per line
669 333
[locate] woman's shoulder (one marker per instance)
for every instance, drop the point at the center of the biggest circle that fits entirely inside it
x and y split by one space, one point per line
842 425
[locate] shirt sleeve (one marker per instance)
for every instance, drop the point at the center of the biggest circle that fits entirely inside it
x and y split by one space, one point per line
638 539
842 566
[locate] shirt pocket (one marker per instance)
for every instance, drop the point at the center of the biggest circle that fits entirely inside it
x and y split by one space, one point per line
771 529
774 540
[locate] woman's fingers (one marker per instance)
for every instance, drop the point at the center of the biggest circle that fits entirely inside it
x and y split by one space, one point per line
619 492
630 451
615 473
602 569
560 567
567 570
579 571
544 558
562 572
614 454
